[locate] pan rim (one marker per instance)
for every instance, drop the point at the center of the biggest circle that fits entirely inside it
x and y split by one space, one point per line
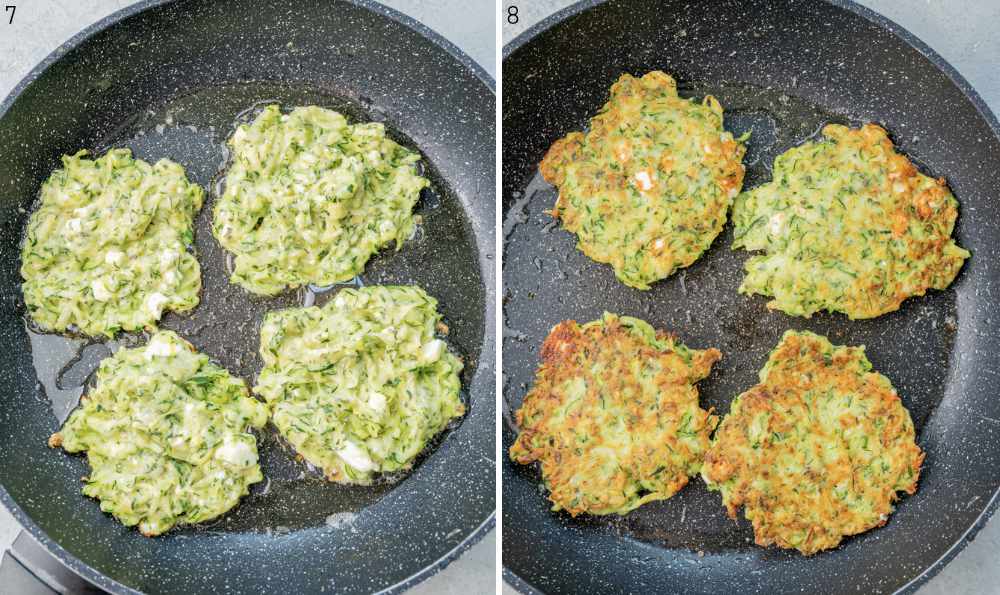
890 26
55 549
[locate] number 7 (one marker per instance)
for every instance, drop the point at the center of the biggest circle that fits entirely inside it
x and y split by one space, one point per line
11 9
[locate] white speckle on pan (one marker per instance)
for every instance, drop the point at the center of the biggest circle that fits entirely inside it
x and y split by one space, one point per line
340 519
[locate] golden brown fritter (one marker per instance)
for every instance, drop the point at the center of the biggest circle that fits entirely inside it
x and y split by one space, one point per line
613 415
847 225
647 188
818 450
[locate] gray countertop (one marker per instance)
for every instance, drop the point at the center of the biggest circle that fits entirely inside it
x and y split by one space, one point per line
40 26
964 33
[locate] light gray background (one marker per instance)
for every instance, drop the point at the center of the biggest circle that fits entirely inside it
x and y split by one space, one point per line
40 26
964 33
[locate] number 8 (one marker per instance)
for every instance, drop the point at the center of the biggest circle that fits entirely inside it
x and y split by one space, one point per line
512 15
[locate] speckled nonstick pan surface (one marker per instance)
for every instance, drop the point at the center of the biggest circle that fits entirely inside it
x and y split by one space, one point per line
783 68
171 79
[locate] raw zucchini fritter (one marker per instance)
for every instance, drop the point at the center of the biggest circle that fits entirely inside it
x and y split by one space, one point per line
166 434
107 249
613 415
647 188
310 198
848 225
361 385
817 450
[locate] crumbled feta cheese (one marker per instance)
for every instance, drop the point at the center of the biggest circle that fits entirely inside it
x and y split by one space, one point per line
643 180
100 290
160 347
236 452
776 223
182 437
145 415
356 457
432 350
114 257
154 304
377 401
84 212
168 257
74 226
117 449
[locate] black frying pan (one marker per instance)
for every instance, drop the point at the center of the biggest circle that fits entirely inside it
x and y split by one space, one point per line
782 68
171 79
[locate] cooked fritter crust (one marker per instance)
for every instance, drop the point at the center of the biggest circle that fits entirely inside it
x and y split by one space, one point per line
647 188
848 225
613 415
817 450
